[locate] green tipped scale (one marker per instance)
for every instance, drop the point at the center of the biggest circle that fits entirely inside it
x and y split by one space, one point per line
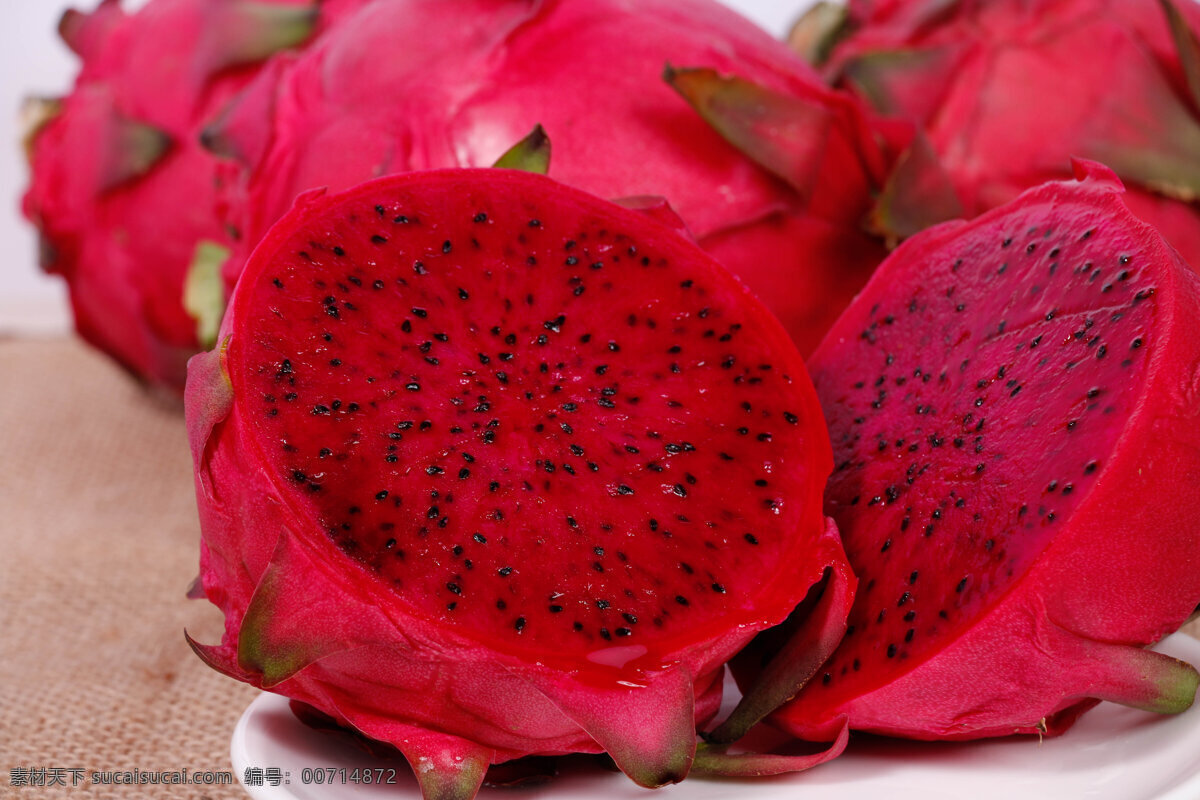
246 32
531 154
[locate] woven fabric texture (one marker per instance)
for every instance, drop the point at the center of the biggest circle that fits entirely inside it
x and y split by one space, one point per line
98 543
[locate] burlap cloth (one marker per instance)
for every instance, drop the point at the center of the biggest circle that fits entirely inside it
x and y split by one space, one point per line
99 542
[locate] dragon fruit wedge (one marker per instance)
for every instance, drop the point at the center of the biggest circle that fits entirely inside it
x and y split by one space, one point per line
1006 92
122 192
1013 404
488 467
409 84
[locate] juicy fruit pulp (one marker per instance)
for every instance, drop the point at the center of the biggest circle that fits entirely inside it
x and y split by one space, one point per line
449 373
1012 405
532 441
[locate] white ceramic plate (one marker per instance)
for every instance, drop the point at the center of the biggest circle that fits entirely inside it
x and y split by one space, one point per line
1112 753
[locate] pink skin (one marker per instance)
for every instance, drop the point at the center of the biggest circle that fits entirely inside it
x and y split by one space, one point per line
1068 525
104 227
436 668
1009 91
469 78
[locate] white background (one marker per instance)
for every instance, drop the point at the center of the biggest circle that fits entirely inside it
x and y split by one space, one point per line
34 62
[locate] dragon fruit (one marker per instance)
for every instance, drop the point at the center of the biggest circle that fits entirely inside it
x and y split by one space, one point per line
111 157
488 467
1006 92
409 85
1013 405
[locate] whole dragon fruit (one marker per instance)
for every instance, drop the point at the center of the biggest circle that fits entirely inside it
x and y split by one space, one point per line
409 85
1013 404
122 192
1006 92
488 467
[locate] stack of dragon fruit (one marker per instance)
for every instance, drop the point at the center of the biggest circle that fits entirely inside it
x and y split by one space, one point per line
549 358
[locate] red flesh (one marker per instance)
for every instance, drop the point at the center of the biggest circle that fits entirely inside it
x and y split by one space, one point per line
1011 404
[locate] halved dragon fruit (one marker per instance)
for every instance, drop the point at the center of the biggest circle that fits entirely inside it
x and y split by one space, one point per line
122 192
488 467
1013 404
409 85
